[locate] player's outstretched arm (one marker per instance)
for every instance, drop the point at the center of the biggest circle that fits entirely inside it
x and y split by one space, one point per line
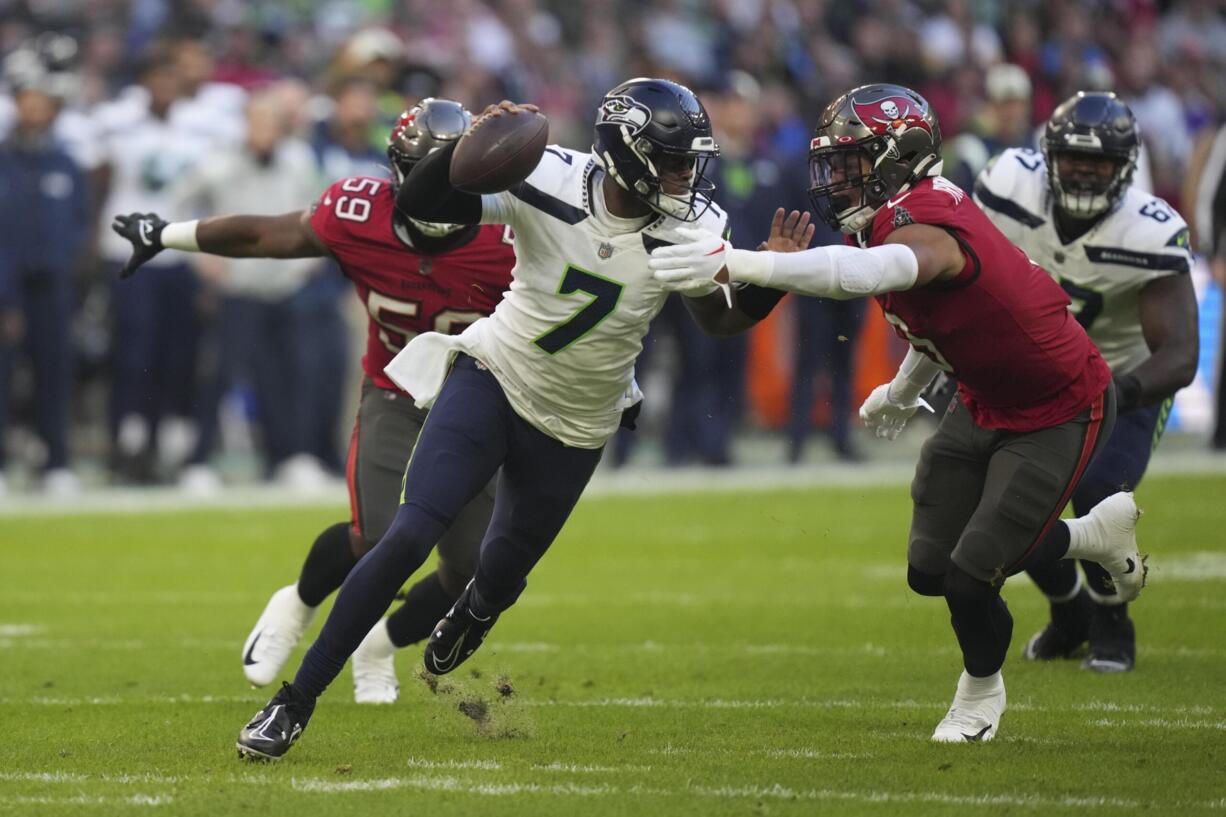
285 236
911 256
427 194
1169 322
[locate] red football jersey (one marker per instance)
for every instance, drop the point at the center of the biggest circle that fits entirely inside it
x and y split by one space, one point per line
1002 328
406 291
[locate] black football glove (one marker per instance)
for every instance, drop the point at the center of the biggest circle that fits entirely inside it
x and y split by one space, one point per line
144 230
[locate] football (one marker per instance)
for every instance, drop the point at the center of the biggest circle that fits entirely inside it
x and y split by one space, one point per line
498 152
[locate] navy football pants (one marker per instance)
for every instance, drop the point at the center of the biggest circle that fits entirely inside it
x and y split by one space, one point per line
471 432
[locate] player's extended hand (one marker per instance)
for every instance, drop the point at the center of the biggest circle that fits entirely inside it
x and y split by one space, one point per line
507 106
695 268
144 231
790 232
886 416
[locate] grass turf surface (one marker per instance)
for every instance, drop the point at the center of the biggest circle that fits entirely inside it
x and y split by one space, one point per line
699 654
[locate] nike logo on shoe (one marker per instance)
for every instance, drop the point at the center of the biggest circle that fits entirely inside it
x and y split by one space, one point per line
247 659
978 736
449 660
1131 566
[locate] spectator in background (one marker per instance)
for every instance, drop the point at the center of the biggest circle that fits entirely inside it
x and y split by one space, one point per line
44 221
261 335
157 326
1160 116
1004 122
1208 192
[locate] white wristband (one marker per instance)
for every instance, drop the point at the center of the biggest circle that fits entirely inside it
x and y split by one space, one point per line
181 235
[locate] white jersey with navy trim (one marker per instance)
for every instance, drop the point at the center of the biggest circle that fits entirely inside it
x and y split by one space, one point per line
1104 270
564 338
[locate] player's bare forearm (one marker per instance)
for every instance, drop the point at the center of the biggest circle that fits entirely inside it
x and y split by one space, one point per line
938 256
1169 320
243 236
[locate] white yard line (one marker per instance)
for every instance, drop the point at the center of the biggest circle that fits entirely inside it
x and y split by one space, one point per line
489 788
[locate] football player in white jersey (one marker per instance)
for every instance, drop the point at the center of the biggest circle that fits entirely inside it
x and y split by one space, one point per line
1122 256
538 387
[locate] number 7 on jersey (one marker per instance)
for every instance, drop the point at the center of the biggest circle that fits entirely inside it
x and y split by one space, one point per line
605 295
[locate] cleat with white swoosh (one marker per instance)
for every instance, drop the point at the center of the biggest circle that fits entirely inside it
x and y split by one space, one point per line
276 727
457 635
275 635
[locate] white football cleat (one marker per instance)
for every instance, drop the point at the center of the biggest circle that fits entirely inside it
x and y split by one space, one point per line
1111 533
374 668
974 715
275 635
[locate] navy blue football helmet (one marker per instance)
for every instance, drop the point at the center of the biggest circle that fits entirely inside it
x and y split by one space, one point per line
1096 125
646 126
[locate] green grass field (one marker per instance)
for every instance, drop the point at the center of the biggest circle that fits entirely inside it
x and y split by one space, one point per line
746 654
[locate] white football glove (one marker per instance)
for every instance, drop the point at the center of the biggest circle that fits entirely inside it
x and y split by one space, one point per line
693 268
885 416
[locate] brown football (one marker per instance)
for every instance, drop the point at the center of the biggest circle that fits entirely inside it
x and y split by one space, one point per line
498 152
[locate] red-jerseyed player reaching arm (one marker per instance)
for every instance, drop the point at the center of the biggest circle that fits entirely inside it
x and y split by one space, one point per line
1035 399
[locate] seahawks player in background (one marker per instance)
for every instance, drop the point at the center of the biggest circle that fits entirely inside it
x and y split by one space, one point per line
535 389
1122 256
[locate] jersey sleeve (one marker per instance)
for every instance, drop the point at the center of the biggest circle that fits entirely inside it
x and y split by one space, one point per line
1004 190
1157 239
546 183
333 231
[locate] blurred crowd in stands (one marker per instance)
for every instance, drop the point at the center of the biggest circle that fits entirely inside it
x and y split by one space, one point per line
219 106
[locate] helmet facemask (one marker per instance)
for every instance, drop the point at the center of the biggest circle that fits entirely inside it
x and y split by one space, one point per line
1087 183
651 177
846 189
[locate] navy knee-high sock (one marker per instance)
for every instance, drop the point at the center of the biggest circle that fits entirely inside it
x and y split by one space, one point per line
366 594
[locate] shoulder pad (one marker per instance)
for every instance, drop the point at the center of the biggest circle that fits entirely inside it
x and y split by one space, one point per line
560 174
1012 185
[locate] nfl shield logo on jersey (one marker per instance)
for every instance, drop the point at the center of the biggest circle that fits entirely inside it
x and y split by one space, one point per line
606 251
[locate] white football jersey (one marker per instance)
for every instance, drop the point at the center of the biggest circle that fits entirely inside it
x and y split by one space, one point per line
564 338
1104 270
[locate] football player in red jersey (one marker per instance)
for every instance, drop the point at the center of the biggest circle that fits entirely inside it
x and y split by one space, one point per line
1035 400
413 277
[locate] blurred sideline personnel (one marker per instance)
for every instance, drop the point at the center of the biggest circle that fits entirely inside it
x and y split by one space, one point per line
146 148
44 225
413 277
257 328
537 388
1035 397
1122 256
1004 122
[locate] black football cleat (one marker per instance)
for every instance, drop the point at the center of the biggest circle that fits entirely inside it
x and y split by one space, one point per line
457 635
1065 633
1113 642
276 727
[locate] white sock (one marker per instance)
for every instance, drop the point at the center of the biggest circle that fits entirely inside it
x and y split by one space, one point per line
378 641
1083 537
970 686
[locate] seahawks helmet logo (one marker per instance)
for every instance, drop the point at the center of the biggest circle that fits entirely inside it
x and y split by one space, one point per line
622 110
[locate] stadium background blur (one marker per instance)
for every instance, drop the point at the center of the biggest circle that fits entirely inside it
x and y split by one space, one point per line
131 375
